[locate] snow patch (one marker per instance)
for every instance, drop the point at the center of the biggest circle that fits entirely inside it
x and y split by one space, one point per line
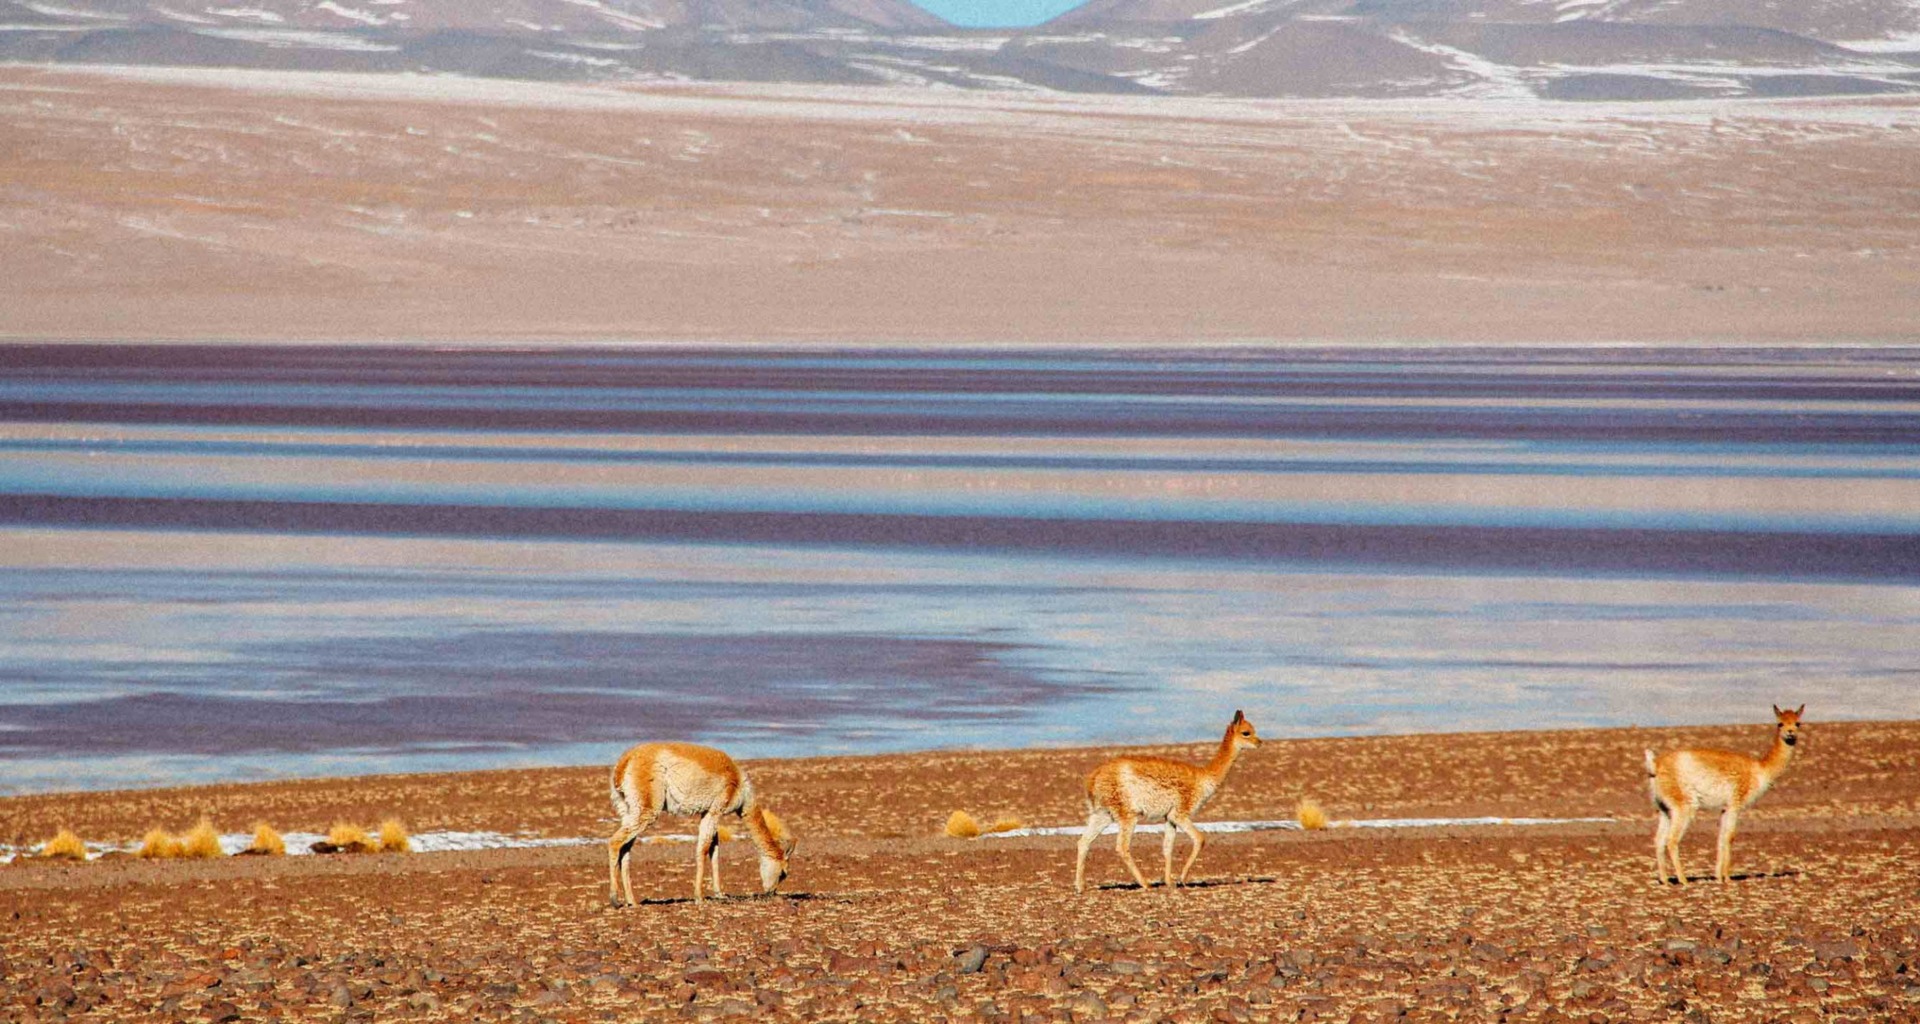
53 11
575 58
620 18
1905 42
249 13
283 39
350 13
1244 7
1496 81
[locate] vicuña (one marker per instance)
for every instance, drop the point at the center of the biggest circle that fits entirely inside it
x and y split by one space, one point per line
682 778
1683 782
1130 790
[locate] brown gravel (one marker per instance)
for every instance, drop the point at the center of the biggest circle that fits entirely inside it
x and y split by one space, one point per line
884 920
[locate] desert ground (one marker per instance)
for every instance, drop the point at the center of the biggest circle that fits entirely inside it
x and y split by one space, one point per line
179 203
885 918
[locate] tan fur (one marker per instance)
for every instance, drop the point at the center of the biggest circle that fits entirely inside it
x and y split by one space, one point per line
683 778
1684 782
1131 790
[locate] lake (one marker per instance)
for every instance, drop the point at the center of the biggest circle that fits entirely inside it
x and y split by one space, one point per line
235 563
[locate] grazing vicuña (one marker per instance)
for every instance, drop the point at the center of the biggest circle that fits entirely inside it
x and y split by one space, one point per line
1131 790
681 778
1682 782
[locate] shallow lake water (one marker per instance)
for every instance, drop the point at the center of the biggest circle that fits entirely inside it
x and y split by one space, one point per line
244 563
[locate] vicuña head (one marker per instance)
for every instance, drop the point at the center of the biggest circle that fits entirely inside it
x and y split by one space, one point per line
1130 790
1684 782
776 846
1240 731
1786 724
682 778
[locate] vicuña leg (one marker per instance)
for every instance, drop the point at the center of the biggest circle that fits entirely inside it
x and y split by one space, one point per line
1167 835
1682 817
702 840
1097 820
1723 862
1660 833
1193 834
619 863
713 866
1124 843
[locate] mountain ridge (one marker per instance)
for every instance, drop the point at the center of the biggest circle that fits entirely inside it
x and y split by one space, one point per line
1558 49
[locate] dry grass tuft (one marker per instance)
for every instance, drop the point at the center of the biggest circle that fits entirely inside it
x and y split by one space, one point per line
159 844
724 834
201 842
345 837
266 842
64 846
393 837
1006 824
960 825
1312 817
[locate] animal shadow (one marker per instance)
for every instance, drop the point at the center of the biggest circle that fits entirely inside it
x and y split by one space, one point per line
1200 883
756 897
1742 876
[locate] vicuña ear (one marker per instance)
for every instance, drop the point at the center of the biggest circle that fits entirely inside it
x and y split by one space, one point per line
1777 713
1799 710
1238 717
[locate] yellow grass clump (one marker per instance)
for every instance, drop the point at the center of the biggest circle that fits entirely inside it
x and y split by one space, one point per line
345 837
64 846
201 841
159 844
724 834
1312 817
266 842
960 825
393 837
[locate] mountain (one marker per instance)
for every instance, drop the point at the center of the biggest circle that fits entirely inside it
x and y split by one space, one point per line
1562 49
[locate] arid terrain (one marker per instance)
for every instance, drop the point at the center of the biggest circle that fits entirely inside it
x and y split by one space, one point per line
184 203
885 919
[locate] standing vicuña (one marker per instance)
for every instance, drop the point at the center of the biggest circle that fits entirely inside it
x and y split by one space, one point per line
1131 790
681 778
1685 781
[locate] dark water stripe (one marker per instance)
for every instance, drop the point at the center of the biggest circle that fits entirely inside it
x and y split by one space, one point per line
1039 420
1564 466
1641 552
1330 373
1175 382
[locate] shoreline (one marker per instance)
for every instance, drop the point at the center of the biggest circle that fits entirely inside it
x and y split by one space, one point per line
1266 784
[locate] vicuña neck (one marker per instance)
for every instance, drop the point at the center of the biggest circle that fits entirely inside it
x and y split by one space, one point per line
1777 758
1223 757
762 833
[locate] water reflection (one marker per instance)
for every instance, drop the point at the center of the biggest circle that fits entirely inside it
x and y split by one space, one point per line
286 561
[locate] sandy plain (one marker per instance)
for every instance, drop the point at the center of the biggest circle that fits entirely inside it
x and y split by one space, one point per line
156 203
885 919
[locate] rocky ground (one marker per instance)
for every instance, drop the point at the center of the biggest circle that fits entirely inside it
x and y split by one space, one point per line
884 919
